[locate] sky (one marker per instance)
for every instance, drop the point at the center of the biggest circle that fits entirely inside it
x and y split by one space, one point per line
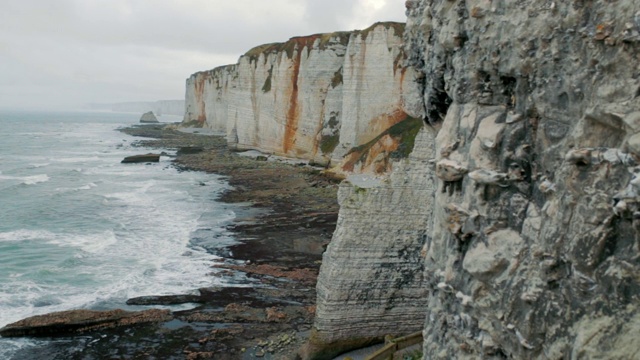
61 54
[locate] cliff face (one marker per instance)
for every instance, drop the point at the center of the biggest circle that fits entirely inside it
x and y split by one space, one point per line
312 97
522 191
371 281
534 247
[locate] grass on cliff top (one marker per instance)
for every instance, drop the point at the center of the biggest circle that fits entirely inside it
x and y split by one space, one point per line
307 41
405 131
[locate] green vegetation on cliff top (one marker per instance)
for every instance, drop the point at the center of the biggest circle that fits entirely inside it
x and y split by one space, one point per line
341 37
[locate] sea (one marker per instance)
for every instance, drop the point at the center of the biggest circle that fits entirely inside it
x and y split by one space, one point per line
80 230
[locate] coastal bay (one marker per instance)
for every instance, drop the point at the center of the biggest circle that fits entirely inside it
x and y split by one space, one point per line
285 215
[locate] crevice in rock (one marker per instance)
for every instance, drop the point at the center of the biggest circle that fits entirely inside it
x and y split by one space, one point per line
438 102
508 90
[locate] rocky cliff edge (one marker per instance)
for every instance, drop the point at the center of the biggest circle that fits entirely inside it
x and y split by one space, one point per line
314 97
522 192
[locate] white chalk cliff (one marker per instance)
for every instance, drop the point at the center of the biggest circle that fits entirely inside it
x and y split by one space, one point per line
312 97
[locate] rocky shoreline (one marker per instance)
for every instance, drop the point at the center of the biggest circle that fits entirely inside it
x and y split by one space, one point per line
288 212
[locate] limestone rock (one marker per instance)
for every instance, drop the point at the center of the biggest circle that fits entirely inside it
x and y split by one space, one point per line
449 170
148 117
371 280
312 97
539 97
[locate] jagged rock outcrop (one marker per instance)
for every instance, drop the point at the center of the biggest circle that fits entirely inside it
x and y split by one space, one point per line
148 117
313 97
534 252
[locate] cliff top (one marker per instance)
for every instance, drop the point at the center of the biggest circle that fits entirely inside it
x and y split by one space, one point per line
341 37
289 46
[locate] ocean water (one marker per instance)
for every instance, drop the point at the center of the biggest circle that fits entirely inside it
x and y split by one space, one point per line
78 229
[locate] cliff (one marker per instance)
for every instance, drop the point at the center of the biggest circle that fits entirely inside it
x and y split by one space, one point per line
521 191
312 97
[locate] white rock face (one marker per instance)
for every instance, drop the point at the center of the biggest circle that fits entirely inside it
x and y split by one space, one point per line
312 97
371 281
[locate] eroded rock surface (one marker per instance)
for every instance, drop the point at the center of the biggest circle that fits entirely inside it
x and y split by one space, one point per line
371 280
313 97
527 209
541 99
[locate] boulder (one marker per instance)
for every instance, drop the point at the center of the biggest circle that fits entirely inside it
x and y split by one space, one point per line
141 158
148 117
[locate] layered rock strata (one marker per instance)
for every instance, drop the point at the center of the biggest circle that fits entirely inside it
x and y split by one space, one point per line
533 250
312 97
371 279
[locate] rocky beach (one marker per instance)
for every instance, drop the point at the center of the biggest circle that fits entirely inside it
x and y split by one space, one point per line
287 213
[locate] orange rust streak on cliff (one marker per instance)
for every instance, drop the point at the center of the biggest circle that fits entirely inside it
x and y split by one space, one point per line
199 94
291 126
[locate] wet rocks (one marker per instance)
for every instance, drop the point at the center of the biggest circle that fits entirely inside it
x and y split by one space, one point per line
165 300
145 158
79 321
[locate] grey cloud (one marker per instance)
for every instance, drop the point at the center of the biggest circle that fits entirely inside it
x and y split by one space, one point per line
68 52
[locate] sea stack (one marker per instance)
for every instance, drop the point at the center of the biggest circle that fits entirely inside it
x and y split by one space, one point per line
148 117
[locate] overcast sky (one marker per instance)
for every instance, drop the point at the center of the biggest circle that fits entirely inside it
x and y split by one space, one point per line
64 53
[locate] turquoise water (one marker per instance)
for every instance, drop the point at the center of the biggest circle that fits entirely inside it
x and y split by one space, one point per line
78 229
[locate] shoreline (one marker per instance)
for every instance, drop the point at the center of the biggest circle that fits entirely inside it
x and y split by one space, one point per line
287 214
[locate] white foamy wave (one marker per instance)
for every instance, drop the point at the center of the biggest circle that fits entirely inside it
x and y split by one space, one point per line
24 234
79 159
8 347
35 179
27 298
91 243
35 166
87 187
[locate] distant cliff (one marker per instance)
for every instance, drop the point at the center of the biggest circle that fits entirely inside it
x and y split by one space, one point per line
313 97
